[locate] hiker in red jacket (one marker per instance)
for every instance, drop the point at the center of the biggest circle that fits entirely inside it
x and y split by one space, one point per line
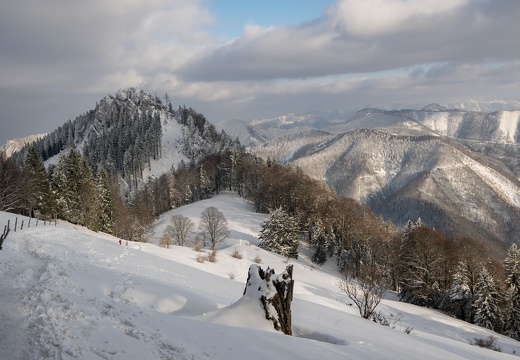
120 241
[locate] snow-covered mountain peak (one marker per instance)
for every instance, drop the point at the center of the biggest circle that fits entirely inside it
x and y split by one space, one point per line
434 107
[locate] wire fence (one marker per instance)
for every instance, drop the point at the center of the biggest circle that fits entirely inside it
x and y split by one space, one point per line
20 226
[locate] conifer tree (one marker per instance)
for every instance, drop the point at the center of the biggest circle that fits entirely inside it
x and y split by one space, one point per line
37 192
486 302
512 311
279 234
10 192
76 190
322 239
205 184
512 266
407 262
316 239
106 202
459 299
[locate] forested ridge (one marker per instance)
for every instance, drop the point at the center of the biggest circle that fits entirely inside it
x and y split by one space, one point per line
116 141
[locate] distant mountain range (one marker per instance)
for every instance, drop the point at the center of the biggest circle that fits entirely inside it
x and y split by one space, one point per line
456 169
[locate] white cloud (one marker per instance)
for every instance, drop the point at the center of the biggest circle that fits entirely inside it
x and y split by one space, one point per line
380 17
88 43
358 52
365 36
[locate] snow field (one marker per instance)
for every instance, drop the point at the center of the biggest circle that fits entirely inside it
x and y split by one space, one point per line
69 293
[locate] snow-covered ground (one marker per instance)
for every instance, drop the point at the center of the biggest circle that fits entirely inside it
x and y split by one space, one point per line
67 292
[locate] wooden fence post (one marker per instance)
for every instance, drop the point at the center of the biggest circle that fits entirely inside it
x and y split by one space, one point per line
4 235
15 223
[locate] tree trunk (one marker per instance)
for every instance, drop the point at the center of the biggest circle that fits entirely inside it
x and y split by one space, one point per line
275 292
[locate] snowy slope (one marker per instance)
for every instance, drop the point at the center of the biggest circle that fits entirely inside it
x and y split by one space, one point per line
246 134
15 145
170 151
66 292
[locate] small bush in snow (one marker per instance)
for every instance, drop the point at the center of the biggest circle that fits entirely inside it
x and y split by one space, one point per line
257 259
236 254
197 244
379 318
231 276
201 258
166 241
489 343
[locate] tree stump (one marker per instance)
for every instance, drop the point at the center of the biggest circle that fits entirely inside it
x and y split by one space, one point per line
275 293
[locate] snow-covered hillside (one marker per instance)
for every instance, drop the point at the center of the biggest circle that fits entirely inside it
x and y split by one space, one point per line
15 145
66 292
246 134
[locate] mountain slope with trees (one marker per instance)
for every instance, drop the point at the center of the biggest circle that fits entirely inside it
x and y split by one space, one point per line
116 167
455 169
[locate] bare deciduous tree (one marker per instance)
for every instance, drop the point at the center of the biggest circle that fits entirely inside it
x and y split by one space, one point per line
180 229
213 226
365 290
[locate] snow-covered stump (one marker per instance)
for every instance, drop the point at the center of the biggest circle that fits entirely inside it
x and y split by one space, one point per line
275 293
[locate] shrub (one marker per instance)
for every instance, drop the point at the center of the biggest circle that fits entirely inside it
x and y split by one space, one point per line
257 259
379 318
166 241
488 343
231 276
197 244
237 255
201 258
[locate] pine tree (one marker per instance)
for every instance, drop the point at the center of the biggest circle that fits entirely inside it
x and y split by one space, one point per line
36 186
279 234
407 263
512 315
486 302
76 190
107 209
316 240
459 298
512 266
322 239
512 311
205 184
10 192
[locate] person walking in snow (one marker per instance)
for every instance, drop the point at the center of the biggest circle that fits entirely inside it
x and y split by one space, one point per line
120 241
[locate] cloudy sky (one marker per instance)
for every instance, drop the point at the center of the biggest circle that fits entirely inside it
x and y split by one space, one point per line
252 59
